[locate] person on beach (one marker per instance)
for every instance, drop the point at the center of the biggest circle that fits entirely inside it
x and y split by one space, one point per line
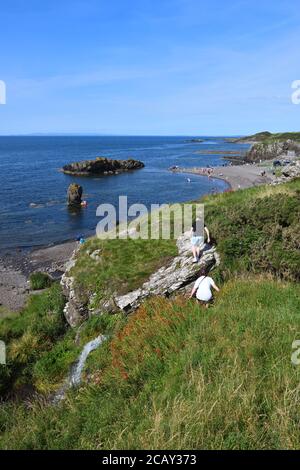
197 239
203 288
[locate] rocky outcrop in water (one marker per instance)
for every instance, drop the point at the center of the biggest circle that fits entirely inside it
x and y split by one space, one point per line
175 277
74 195
101 166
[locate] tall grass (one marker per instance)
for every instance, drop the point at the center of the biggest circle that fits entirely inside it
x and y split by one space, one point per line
29 336
181 377
257 230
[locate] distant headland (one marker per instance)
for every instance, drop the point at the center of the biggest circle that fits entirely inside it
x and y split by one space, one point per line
266 137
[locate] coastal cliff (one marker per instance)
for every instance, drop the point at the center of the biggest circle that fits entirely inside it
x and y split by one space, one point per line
272 150
101 166
268 146
163 369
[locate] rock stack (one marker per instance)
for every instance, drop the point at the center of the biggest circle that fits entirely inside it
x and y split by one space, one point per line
74 195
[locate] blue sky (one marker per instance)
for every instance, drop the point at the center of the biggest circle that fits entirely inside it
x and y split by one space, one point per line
190 67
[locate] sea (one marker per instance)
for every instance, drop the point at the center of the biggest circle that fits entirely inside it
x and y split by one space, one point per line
33 190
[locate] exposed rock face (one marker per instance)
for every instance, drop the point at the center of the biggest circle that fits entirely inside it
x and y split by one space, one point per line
101 166
75 310
176 276
74 194
271 151
289 172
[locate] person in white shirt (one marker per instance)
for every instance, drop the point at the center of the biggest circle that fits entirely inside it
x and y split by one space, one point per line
203 288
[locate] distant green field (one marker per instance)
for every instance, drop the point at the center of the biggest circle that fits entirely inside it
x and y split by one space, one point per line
285 136
269 137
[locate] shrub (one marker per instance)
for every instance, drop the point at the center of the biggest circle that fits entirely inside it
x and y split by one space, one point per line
256 232
29 335
39 280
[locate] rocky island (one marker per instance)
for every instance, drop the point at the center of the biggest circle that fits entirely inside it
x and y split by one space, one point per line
194 141
101 166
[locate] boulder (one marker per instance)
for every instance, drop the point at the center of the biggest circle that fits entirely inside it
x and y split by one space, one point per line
96 255
289 173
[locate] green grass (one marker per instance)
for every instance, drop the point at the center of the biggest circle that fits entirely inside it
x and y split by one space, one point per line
268 137
180 377
257 230
123 266
28 336
4 312
40 345
282 136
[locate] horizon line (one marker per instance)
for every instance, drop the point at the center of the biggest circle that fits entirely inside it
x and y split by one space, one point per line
92 134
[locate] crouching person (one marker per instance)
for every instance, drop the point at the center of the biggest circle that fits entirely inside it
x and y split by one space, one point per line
203 288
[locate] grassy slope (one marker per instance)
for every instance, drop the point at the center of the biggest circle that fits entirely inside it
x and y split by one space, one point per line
257 230
40 347
176 376
181 377
282 136
30 335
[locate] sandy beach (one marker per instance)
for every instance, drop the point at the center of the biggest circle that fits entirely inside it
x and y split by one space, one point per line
238 177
